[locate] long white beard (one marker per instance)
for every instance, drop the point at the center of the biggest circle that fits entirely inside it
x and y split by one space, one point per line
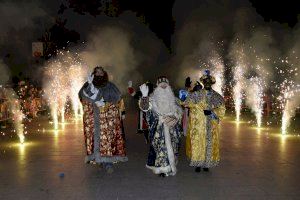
163 101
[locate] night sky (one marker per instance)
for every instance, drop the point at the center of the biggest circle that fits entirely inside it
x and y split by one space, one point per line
159 16
62 24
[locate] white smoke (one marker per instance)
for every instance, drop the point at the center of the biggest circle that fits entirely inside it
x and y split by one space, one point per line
111 48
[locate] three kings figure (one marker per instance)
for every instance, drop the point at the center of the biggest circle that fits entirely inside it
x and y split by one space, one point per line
206 109
163 115
102 120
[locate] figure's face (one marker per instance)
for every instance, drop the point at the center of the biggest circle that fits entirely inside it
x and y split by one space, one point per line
99 72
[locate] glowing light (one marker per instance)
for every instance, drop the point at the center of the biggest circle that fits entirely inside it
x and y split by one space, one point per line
237 91
17 114
218 73
77 74
55 90
64 77
289 103
254 98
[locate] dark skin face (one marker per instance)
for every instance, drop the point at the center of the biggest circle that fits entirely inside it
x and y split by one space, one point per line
99 72
207 85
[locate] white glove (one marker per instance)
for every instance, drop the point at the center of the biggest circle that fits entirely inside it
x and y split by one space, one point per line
90 78
100 103
129 84
145 90
123 117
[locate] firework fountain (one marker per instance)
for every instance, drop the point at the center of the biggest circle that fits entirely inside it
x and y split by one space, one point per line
56 90
238 90
238 77
76 78
64 78
290 87
254 98
290 101
17 114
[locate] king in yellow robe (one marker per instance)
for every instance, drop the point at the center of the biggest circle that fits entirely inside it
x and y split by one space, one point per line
207 109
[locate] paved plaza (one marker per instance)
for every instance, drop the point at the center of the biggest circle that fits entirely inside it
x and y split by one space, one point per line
256 164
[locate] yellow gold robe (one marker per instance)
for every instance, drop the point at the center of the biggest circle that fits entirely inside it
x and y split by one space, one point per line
202 141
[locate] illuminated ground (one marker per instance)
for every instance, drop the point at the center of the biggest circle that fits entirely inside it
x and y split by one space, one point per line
255 165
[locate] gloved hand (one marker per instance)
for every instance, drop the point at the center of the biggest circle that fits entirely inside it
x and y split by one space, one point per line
182 95
207 112
123 117
100 103
90 78
129 84
145 90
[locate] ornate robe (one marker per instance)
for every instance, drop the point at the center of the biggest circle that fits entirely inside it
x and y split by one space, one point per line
202 141
164 140
103 127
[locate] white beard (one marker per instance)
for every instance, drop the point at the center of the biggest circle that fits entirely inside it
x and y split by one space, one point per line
163 101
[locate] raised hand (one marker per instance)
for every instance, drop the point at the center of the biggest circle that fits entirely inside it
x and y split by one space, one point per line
129 84
100 103
144 89
90 78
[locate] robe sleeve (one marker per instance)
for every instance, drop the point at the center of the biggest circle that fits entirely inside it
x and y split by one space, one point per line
194 101
85 89
110 93
220 111
219 106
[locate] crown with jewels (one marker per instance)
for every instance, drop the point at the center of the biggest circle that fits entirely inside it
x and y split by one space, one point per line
162 79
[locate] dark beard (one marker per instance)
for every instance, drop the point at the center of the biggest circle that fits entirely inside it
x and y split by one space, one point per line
100 81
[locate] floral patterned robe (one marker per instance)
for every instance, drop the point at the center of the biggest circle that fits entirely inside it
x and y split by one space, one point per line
103 128
202 141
